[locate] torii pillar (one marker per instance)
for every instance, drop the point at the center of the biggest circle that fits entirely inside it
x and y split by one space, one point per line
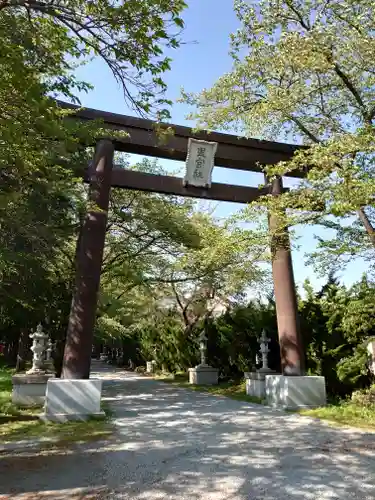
90 247
288 325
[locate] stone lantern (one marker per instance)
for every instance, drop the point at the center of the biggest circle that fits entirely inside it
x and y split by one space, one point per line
264 350
203 347
203 374
256 381
29 389
49 362
151 365
38 349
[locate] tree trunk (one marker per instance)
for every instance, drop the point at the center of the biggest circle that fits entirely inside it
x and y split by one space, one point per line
370 230
58 357
12 351
23 345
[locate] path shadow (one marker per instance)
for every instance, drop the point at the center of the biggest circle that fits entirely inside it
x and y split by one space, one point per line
176 444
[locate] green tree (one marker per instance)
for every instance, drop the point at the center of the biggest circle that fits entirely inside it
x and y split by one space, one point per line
337 324
305 70
358 324
167 267
129 37
321 322
222 269
40 47
233 338
42 155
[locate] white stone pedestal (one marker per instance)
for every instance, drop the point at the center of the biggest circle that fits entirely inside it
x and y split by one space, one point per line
30 389
150 366
255 384
295 392
203 375
68 399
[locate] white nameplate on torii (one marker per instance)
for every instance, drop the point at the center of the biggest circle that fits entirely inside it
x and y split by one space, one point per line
200 163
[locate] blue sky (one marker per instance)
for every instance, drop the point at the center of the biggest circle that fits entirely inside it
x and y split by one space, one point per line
196 65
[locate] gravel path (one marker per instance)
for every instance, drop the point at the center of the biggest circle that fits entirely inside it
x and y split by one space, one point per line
176 444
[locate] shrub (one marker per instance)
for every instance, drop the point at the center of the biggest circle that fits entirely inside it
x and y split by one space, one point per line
140 369
364 397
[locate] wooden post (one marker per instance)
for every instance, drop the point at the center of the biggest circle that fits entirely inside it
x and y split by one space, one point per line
77 355
292 356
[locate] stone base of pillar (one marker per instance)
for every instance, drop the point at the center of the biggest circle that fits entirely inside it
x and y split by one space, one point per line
69 399
30 389
295 392
203 375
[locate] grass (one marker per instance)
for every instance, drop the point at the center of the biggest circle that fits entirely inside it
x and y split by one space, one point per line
345 413
232 390
6 406
58 434
21 424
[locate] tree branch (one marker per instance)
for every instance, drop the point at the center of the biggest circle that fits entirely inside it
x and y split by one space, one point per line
367 223
180 304
305 130
339 72
298 14
349 85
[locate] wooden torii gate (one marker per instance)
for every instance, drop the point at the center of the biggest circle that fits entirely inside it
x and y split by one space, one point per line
232 152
